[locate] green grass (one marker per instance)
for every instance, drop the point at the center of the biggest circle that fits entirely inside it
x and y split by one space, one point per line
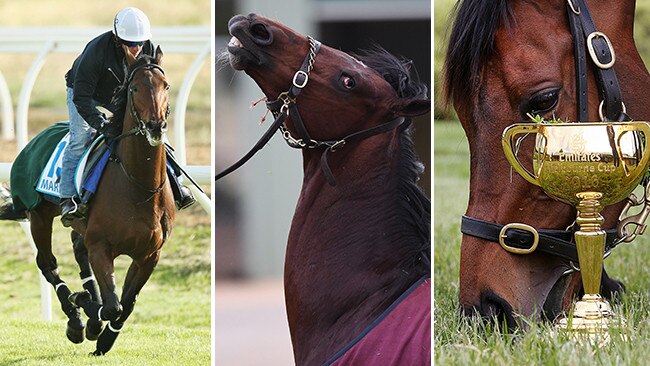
461 341
170 324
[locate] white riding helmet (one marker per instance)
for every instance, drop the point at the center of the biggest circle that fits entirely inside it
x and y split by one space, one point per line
131 24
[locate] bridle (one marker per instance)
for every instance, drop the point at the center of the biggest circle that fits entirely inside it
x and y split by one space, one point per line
518 238
285 105
140 125
140 128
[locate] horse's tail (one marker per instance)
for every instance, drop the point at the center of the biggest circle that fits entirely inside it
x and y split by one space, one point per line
7 210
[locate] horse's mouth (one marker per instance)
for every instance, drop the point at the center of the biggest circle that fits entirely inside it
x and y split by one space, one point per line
240 57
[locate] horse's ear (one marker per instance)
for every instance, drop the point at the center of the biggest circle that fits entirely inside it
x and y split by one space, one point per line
411 107
159 56
130 59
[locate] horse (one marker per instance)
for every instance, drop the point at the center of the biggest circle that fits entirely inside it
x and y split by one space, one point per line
360 237
508 60
132 212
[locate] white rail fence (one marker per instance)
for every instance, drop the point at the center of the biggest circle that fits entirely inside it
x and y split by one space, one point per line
43 42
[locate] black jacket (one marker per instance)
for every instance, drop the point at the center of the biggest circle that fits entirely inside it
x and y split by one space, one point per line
96 73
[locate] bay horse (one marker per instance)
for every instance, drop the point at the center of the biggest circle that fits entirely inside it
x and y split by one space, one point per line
360 236
132 212
507 59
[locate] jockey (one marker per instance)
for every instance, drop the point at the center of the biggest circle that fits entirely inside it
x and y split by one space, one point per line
91 81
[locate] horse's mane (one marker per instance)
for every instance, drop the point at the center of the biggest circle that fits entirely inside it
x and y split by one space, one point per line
403 77
120 95
396 71
470 44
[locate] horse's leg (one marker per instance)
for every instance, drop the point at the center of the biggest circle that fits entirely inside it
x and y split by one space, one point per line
94 326
136 277
41 230
101 261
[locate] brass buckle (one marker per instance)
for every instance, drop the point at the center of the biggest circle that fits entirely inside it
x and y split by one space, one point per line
592 51
515 225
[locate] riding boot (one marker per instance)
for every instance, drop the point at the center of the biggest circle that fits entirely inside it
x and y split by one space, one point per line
182 195
69 211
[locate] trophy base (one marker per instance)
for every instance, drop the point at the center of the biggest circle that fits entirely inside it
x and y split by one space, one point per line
592 319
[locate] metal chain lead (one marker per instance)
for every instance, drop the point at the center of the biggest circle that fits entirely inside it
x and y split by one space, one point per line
312 53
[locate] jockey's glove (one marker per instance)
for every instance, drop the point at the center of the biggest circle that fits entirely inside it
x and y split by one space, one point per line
109 130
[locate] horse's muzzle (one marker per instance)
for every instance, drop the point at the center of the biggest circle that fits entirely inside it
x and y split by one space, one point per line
155 131
248 35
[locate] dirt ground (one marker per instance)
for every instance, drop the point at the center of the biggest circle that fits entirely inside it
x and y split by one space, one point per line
251 324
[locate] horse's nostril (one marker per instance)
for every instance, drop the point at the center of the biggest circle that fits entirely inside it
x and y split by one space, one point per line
494 307
491 310
260 33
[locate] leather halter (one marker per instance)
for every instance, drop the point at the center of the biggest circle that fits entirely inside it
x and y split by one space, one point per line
524 239
285 105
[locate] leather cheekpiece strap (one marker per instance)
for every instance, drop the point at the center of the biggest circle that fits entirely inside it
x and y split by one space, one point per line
554 242
580 60
602 55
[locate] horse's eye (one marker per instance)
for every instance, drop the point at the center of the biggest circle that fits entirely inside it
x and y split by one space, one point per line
167 87
348 82
541 102
134 89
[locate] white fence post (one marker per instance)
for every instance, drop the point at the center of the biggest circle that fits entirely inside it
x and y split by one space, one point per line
7 111
25 94
181 103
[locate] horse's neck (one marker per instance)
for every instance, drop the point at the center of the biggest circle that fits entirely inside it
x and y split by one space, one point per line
345 255
142 161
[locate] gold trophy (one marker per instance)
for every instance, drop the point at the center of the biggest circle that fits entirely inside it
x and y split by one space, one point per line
589 166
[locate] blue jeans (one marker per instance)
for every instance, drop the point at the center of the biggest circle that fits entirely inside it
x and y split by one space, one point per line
80 136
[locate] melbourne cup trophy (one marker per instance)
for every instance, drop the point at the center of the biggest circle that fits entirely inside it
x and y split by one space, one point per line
589 166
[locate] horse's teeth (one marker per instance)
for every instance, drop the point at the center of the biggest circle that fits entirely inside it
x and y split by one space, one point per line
235 42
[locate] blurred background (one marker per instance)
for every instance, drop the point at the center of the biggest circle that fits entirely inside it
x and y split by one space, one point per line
254 205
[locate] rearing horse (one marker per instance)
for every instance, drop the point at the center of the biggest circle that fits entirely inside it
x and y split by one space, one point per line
506 59
131 214
360 236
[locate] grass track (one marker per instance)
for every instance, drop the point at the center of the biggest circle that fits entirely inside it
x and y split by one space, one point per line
170 324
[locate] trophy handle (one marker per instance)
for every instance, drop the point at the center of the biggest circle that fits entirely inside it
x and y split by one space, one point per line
507 142
644 128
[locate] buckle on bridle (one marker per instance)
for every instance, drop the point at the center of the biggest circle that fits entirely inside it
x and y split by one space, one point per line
297 82
602 115
530 229
575 8
592 51
337 145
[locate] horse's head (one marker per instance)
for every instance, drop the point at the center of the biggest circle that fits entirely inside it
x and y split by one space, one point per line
352 95
507 59
145 93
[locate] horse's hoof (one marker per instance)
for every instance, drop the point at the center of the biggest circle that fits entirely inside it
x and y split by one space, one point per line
75 335
80 298
97 353
93 329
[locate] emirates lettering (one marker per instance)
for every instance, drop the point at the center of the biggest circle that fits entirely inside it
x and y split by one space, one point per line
586 157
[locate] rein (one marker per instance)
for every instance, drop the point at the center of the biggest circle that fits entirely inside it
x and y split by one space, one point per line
285 105
518 238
